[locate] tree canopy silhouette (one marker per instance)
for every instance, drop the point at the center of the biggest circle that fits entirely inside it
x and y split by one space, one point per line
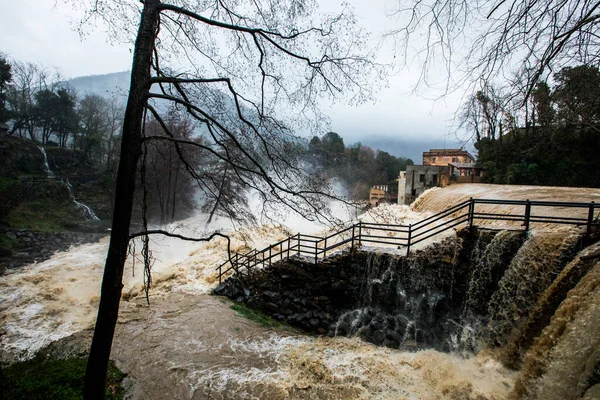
245 72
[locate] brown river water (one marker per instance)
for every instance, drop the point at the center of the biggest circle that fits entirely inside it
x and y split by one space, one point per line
187 344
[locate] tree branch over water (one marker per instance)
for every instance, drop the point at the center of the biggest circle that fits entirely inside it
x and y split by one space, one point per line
248 75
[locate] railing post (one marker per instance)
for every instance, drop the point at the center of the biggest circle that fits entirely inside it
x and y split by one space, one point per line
471 211
288 249
270 247
298 243
352 245
316 251
527 215
409 237
325 248
590 218
359 233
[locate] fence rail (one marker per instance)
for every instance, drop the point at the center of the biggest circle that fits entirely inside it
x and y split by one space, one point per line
360 233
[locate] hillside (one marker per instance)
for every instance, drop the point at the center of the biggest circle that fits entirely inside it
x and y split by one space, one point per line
47 207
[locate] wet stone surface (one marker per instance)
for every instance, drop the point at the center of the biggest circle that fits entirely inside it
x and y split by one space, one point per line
399 302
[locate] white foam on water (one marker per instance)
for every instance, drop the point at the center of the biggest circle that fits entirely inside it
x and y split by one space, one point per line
43 302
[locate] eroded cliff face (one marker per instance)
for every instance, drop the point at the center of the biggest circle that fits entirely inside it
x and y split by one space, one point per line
524 297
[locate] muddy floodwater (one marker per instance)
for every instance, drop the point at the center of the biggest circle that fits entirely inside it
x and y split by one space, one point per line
188 344
196 347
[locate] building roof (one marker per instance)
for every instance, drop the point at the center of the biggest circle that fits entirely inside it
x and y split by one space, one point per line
447 152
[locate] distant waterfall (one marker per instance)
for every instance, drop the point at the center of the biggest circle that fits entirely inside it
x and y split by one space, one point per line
87 212
49 172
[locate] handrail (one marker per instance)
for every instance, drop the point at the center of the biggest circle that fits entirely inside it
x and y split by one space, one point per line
317 247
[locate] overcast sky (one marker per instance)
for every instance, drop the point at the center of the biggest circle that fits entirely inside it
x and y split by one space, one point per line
38 31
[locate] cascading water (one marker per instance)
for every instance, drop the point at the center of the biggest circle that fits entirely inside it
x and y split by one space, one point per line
49 172
410 303
188 345
508 287
531 271
87 212
564 361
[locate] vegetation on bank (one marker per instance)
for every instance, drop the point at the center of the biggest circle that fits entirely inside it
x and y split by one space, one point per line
53 379
258 317
550 138
48 209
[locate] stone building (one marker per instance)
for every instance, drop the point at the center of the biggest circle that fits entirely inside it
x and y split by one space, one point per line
379 194
441 167
419 178
444 157
466 172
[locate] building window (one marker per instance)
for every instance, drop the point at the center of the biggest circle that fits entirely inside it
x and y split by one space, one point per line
454 159
434 179
432 159
422 178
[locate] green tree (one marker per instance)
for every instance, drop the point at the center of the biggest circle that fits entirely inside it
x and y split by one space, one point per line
543 104
315 144
65 119
45 111
333 143
94 125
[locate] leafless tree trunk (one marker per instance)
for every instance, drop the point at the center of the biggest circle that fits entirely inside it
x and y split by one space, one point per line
131 150
274 59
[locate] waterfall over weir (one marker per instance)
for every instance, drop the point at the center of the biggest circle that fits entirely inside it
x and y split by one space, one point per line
531 299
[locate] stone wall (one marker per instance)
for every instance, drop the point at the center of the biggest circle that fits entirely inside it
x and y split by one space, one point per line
380 297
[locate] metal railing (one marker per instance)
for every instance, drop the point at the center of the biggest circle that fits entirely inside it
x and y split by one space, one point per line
317 247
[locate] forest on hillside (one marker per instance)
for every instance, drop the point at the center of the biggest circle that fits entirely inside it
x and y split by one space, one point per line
551 137
360 167
40 106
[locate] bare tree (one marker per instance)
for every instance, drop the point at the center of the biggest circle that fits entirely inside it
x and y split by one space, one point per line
27 80
230 66
483 114
485 40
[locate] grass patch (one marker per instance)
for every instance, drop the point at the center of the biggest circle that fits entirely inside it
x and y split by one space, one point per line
44 216
8 184
54 380
258 317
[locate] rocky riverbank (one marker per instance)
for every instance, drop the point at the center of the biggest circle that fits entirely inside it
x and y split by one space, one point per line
308 296
24 247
